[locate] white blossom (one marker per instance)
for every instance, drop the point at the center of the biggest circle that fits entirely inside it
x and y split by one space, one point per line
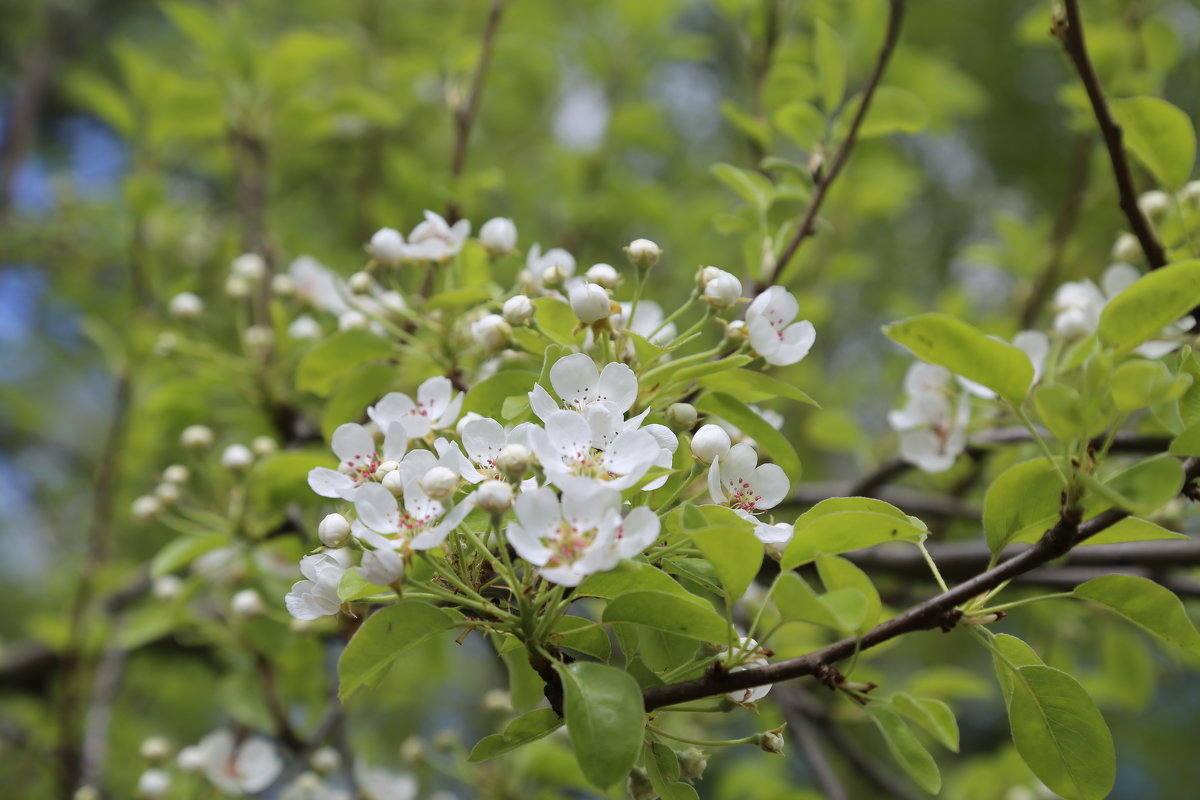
710 443
382 566
308 786
745 655
574 448
250 267
317 595
578 382
749 488
437 407
358 460
773 335
154 784
648 321
491 332
237 458
317 285
196 437
422 523
376 783
247 603
238 769
145 508
499 235
437 240
537 262
933 424
186 307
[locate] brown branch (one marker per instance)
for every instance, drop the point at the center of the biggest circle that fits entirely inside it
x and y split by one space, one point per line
825 180
284 731
28 97
106 686
937 612
808 742
1070 33
464 115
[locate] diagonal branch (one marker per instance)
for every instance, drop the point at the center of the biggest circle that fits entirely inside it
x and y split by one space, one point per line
1070 32
937 612
823 182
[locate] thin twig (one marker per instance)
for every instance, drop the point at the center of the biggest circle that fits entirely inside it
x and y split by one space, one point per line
1070 32
825 180
805 733
939 611
106 686
27 98
284 731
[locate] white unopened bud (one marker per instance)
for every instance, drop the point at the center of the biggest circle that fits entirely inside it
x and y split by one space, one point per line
360 283
553 276
166 343
721 289
326 760
382 567
590 303
385 467
155 749
394 483
352 320
1154 204
191 759
87 792
333 531
639 785
196 437
169 493
305 327
710 443
497 701
605 275
186 307
237 287
499 235
770 741
154 784
682 415
1190 193
1073 323
237 458
250 267
284 285
518 311
247 603
412 750
439 482
513 461
494 497
643 253
393 301
258 338
145 508
736 330
176 473
387 245
166 587
264 445
492 332
1127 248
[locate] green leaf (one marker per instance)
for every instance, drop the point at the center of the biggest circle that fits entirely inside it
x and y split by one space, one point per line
732 549
752 387
796 600
1152 302
463 297
1132 529
583 635
960 348
487 397
555 318
384 637
1143 488
841 524
697 371
1146 604
839 574
350 399
1060 409
753 187
1160 135
748 124
931 714
629 576
605 719
1139 383
183 551
909 753
353 586
768 439
1010 652
802 123
1059 733
831 66
1025 499
894 110
693 618
529 727
323 367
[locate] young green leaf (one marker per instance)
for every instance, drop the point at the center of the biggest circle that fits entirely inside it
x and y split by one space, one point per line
802 123
1160 135
1009 652
831 66
931 714
323 367
629 576
1139 383
909 753
1151 303
683 615
384 637
487 397
529 727
1146 604
753 387
1143 488
734 552
842 531
1025 499
894 110
605 719
960 348
753 187
837 574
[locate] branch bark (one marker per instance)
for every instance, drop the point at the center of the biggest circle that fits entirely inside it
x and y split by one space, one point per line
825 181
1070 33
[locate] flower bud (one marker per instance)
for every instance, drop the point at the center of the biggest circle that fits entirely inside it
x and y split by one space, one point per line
1127 248
439 482
176 473
258 338
639 786
497 701
692 763
445 740
643 253
721 289
1154 204
191 759
736 331
518 311
166 587
605 275
250 267
196 437
352 320
155 749
247 603
412 750
491 332
87 792
326 760
590 303
394 483
1190 193
983 619
186 307
334 530
770 741
359 283
513 461
166 343
385 467
553 276
284 285
154 784
264 445
237 458
499 235
145 508
304 327
682 415
710 443
387 245
393 301
237 287
1073 323
382 567
494 497
169 493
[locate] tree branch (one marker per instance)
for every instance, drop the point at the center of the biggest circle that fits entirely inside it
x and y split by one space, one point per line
1070 33
937 612
808 222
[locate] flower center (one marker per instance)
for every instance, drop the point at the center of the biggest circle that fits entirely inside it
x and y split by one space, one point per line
569 545
742 495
